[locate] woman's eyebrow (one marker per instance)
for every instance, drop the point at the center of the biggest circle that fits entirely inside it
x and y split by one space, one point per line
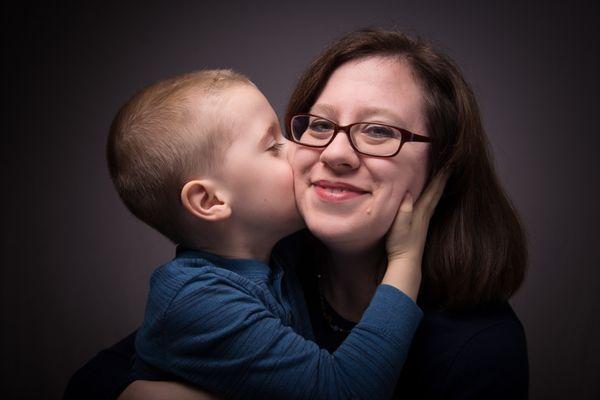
369 112
363 114
324 108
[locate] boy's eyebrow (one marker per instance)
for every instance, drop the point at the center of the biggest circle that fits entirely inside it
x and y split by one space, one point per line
269 134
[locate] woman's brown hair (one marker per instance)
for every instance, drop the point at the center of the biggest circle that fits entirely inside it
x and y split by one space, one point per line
476 249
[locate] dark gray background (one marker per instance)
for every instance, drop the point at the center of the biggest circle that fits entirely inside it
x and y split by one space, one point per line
75 264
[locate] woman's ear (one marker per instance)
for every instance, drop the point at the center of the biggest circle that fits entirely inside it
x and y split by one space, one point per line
203 199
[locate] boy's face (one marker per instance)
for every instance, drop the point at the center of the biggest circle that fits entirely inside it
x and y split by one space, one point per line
255 169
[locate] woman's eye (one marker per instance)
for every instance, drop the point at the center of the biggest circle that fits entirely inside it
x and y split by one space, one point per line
321 126
379 131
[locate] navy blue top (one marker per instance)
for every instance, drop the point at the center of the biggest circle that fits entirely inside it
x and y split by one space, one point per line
474 354
227 325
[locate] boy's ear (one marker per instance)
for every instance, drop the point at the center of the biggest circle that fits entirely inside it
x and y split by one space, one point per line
203 199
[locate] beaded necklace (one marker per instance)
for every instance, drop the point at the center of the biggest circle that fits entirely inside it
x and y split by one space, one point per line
323 305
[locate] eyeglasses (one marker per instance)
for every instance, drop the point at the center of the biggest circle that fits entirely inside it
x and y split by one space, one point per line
369 138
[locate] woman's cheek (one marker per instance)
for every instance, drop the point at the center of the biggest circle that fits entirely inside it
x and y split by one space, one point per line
301 162
414 169
291 152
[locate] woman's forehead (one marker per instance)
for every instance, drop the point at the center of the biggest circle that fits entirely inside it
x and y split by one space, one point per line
376 87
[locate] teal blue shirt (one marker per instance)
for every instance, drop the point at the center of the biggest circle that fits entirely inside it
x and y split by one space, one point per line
240 328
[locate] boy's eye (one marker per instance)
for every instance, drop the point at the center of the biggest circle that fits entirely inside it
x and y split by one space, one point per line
276 148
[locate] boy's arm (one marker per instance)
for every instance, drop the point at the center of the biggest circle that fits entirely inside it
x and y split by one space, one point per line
220 337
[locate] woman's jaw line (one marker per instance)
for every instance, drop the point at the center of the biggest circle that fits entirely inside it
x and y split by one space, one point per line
341 239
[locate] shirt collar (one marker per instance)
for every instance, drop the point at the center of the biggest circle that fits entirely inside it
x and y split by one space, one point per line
241 266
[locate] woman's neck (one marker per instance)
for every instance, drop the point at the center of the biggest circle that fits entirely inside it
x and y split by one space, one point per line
351 279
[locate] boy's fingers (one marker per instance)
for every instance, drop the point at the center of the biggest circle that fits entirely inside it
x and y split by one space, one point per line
407 203
433 192
438 186
404 215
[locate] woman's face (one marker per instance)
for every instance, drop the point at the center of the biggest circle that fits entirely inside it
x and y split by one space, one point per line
349 200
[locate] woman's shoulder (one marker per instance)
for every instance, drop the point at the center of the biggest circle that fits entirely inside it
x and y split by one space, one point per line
475 321
492 359
493 331
482 351
105 375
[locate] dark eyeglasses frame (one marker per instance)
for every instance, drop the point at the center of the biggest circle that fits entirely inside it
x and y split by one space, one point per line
407 136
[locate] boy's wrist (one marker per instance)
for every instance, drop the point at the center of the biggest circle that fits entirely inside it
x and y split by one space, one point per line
405 275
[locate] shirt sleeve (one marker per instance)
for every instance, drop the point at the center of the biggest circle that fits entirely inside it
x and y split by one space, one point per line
219 336
106 375
492 365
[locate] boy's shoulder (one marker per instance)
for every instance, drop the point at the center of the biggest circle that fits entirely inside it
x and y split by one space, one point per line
189 265
194 283
193 273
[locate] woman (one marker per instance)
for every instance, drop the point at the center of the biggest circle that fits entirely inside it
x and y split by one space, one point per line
470 343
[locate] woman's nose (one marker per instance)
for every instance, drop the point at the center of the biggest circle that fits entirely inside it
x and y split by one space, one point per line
339 154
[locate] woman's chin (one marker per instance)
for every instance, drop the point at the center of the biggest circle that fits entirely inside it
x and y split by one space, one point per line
342 235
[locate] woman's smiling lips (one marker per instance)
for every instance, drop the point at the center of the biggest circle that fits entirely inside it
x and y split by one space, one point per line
336 191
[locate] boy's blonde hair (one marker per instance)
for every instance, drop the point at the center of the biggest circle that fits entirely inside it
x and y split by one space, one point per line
164 135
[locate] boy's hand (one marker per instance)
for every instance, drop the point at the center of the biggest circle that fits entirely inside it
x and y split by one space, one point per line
406 239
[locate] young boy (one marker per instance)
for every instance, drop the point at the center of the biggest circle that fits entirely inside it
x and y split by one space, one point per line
200 158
